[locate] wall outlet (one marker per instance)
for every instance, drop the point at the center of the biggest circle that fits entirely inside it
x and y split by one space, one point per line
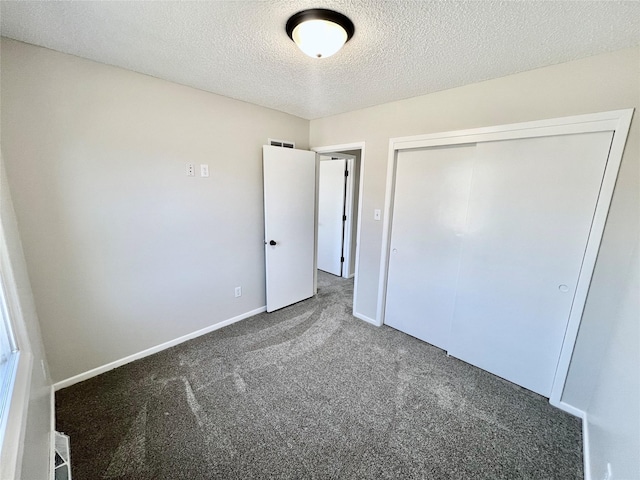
238 292
204 170
191 172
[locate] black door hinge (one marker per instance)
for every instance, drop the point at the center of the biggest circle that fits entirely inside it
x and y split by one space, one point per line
341 259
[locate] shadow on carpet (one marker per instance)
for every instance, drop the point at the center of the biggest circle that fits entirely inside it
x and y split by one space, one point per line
312 392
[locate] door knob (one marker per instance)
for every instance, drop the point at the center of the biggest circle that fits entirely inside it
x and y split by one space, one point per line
272 242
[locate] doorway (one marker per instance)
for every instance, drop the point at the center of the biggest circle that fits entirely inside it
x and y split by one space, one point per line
335 214
339 205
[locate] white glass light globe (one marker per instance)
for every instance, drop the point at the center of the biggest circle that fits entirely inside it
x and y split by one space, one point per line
319 38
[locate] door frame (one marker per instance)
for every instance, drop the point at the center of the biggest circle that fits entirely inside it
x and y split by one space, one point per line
347 204
355 209
616 121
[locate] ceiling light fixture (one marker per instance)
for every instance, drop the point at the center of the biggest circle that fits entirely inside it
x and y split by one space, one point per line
319 32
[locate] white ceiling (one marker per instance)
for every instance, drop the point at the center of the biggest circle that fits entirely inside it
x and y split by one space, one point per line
400 49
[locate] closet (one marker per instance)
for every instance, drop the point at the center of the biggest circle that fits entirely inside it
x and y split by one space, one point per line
487 240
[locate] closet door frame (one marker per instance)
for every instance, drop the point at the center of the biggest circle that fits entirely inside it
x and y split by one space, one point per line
617 121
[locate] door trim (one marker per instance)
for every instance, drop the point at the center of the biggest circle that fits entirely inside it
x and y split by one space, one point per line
325 150
617 121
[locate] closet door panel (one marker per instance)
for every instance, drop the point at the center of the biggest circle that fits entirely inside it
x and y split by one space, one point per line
530 211
429 215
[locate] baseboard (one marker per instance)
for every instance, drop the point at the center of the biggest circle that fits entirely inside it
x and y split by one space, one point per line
586 448
150 351
366 319
576 412
585 433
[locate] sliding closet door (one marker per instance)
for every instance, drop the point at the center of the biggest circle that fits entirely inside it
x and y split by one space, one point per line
429 213
530 211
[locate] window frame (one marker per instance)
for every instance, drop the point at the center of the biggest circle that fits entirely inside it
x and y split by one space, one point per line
8 370
13 418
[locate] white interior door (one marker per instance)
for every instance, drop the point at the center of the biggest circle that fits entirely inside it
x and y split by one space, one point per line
331 204
429 214
530 212
289 224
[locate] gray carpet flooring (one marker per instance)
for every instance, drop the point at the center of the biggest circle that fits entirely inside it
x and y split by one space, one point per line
310 392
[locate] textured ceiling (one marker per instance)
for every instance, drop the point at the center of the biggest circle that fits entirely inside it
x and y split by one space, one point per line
400 49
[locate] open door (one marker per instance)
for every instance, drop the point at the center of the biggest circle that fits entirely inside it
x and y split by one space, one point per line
331 215
289 224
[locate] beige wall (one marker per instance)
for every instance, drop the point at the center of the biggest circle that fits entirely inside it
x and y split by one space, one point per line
35 444
124 251
600 83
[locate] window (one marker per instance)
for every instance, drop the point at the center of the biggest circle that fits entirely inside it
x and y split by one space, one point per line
8 357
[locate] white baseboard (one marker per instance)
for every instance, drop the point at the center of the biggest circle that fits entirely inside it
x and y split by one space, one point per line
150 351
585 434
366 319
586 448
576 412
